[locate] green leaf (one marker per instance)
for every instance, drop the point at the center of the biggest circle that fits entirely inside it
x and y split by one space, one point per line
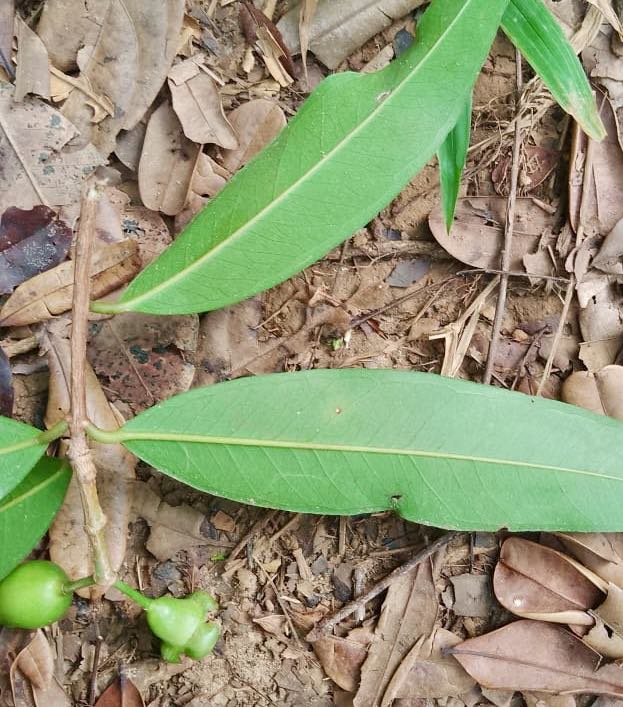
440 451
533 29
21 446
452 155
352 147
26 513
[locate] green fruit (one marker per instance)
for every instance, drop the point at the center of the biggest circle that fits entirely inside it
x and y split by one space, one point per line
203 641
180 625
33 595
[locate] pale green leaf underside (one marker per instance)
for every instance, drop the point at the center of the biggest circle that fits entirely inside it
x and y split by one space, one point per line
533 29
452 155
442 452
353 146
19 452
26 513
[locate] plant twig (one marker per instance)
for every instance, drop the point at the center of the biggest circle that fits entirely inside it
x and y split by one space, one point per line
328 623
508 236
79 453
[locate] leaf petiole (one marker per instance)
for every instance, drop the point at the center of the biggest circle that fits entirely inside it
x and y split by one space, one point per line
79 584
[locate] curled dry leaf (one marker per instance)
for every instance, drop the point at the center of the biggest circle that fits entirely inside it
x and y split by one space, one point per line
35 167
602 553
537 656
256 123
33 67
36 661
69 545
600 392
142 357
339 27
604 641
129 61
46 295
62 85
477 234
534 581
6 385
167 163
31 242
197 102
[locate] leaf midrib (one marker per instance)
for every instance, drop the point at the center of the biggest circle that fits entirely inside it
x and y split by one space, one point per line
33 490
181 274
130 436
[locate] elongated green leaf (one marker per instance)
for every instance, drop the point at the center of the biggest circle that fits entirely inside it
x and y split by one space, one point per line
452 155
533 29
20 447
26 513
440 451
353 145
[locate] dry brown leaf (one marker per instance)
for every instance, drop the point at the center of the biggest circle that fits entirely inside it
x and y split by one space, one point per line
167 163
46 295
35 167
600 392
256 123
190 33
129 144
32 676
61 85
33 67
611 611
122 693
602 202
142 358
605 7
602 553
307 11
409 613
341 659
7 13
197 102
534 581
608 258
69 544
128 63
339 27
472 594
606 643
537 656
477 234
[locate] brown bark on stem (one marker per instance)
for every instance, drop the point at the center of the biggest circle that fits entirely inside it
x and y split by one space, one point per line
79 453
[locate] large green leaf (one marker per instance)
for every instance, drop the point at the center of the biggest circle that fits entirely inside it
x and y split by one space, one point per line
440 451
452 155
353 146
26 513
533 29
20 447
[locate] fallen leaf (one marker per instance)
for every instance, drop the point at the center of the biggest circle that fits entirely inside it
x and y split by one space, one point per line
605 7
341 659
129 144
408 271
128 63
602 553
197 102
606 642
611 610
608 258
121 693
35 167
7 13
167 163
46 295
307 10
142 357
600 392
256 123
477 233
33 67
534 581
537 656
31 242
601 324
36 661
208 179
408 615
339 27
69 544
